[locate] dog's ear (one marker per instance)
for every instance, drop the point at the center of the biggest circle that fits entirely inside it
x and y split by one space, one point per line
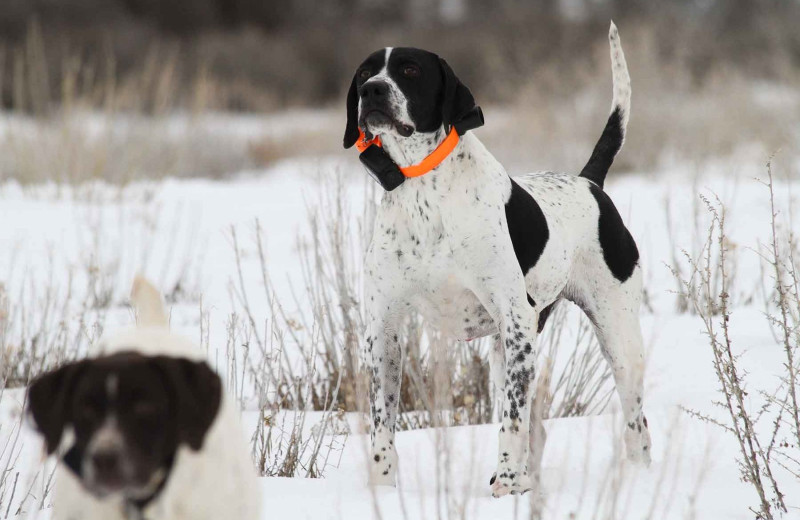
196 394
50 401
457 100
351 130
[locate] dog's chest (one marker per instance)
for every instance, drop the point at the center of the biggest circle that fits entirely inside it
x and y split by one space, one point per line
419 244
424 224
411 237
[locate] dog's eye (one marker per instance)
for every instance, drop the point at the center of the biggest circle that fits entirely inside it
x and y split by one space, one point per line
411 71
364 74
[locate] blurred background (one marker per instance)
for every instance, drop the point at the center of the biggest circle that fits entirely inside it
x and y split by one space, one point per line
122 89
198 142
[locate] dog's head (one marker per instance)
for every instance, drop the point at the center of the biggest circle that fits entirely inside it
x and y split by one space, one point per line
129 414
404 90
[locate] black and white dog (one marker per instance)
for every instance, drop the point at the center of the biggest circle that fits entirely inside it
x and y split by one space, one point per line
144 428
479 253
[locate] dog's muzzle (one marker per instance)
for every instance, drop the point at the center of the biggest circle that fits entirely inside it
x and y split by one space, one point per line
378 118
377 112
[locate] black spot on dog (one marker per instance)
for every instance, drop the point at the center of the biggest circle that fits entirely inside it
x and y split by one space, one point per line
527 226
544 315
619 248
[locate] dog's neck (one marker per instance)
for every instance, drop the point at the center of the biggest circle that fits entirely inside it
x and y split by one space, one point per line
423 206
407 151
468 169
469 159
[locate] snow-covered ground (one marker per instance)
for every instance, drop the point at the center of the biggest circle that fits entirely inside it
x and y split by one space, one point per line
183 230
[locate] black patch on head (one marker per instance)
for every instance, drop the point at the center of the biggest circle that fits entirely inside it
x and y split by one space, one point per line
373 64
619 248
605 150
457 100
50 401
435 95
351 129
159 402
527 226
195 392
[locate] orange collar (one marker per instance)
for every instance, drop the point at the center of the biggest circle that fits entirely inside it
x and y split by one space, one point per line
427 164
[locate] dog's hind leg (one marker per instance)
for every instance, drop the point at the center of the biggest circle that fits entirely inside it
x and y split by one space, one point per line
538 435
616 324
497 370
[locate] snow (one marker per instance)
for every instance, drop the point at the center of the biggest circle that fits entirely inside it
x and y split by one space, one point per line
160 228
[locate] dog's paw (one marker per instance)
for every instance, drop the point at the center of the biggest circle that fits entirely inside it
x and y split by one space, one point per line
639 454
510 483
385 478
383 468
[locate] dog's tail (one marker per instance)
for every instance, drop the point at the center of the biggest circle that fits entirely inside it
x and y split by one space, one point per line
147 303
614 133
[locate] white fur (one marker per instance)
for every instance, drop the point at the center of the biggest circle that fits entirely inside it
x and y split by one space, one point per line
441 247
218 482
620 75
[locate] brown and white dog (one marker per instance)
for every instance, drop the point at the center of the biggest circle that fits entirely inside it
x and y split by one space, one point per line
144 429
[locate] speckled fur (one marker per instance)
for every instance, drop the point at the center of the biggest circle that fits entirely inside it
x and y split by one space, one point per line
441 247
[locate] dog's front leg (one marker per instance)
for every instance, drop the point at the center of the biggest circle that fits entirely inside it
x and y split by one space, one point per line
384 357
503 295
518 335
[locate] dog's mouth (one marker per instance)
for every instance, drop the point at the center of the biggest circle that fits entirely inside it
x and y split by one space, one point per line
110 485
119 485
126 480
376 121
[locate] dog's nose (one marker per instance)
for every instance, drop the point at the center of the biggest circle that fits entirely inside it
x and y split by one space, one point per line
374 91
106 463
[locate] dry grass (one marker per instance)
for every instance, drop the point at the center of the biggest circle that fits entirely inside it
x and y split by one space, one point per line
763 450
321 139
102 125
153 124
727 118
690 283
444 382
20 491
52 311
43 328
301 369
78 117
